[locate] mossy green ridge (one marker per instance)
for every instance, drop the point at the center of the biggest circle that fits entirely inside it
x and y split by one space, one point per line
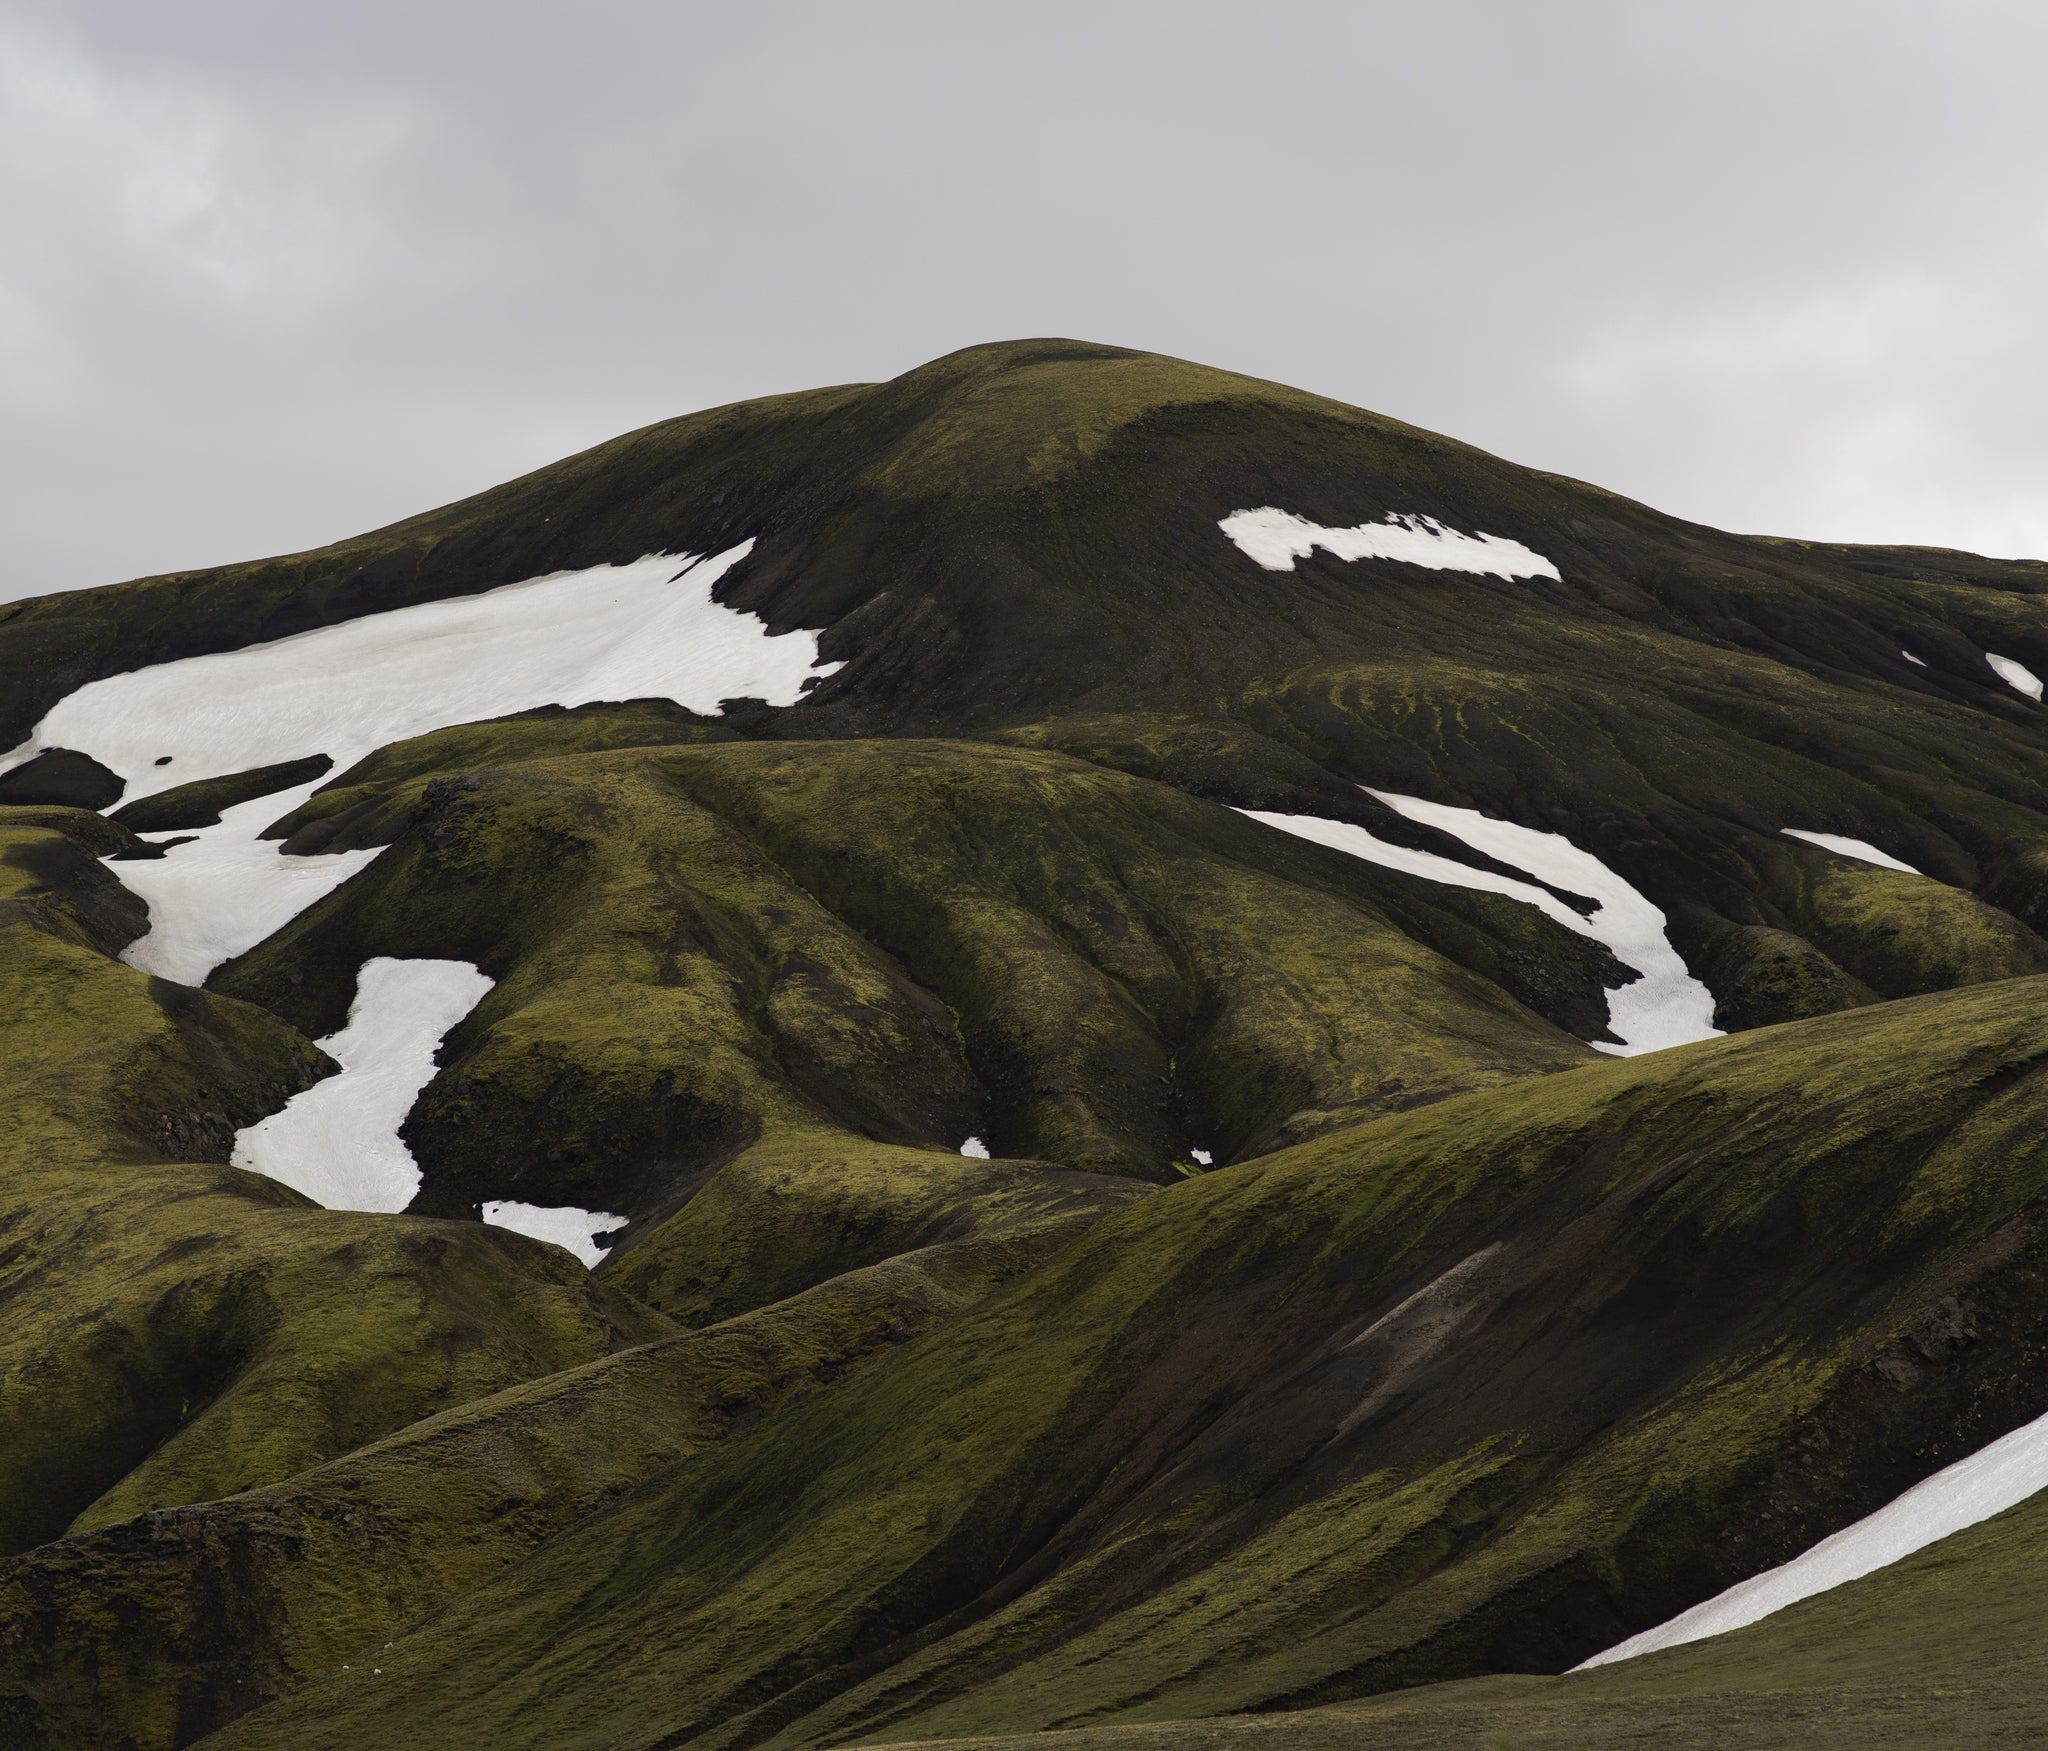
905 940
1481 1386
1901 934
156 1629
1021 540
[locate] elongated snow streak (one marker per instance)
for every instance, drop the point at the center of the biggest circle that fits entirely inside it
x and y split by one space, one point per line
1276 539
975 1147
560 1225
338 1142
1666 1006
612 632
2015 674
225 890
1991 1480
1847 847
1911 658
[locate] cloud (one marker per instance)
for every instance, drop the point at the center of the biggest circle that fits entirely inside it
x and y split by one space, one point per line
276 274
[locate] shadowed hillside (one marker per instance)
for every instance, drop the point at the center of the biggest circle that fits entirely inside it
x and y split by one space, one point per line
1074 1254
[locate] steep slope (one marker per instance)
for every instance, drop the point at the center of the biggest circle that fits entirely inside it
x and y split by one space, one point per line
1482 1386
1058 919
1942 1650
1025 540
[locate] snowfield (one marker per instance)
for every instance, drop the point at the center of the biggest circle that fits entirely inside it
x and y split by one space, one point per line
338 1141
1275 539
1665 1006
1847 847
1991 1480
225 890
560 1225
2015 674
648 630
641 631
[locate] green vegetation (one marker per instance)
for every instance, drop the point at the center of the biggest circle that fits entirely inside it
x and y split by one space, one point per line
1939 1650
904 941
1903 934
177 1329
1471 1354
1496 1380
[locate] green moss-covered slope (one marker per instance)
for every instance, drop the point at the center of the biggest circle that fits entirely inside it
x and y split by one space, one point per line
1469 1353
155 1629
172 1328
1480 1387
1942 1649
908 941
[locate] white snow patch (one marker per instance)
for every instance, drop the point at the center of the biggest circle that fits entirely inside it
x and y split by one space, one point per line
2015 674
644 630
1911 658
338 1142
1202 1158
225 890
1666 1006
1847 847
1991 1480
559 1224
1275 539
975 1147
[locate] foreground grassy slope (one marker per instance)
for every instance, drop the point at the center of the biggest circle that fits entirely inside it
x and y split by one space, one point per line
1479 1387
1940 1650
154 1631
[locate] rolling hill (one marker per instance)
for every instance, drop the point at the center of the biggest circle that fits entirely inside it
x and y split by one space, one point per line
1071 1044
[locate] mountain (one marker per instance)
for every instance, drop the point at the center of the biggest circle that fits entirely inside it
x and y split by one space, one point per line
1067 1043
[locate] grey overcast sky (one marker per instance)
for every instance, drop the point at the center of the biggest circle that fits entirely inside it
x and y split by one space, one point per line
274 274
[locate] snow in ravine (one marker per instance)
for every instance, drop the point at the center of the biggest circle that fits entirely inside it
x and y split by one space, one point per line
1911 658
2015 674
1990 1481
560 1225
1665 1006
1277 538
1847 847
975 1147
225 890
338 1141
645 630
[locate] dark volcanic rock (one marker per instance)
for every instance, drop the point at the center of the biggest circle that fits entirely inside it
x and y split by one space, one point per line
62 777
199 804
